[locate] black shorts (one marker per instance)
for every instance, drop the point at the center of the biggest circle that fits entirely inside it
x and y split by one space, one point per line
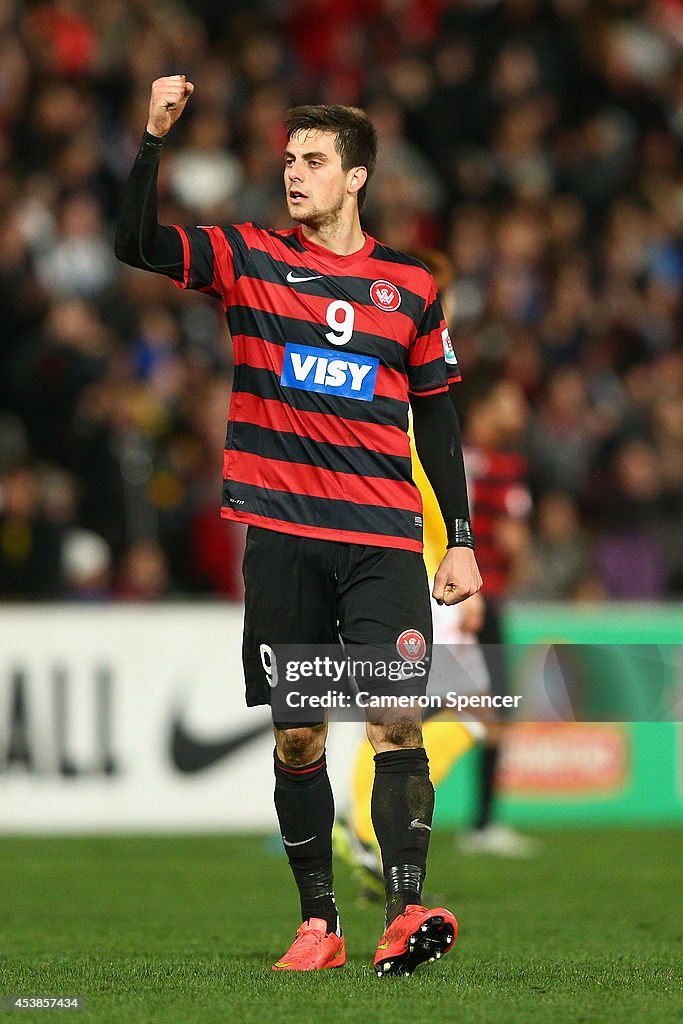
300 590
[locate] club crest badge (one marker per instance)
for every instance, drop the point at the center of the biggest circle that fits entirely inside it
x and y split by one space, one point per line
411 645
385 295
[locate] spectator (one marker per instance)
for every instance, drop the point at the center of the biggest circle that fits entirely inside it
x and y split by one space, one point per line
30 544
631 559
561 445
144 573
557 562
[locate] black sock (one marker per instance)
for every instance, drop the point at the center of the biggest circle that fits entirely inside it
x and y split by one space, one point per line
488 768
402 809
305 810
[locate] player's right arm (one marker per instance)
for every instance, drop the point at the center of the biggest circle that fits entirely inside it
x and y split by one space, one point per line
208 258
140 240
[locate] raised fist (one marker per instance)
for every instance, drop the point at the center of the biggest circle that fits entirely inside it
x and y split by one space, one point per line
167 102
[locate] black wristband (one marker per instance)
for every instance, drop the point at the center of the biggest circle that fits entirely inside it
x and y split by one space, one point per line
459 534
151 146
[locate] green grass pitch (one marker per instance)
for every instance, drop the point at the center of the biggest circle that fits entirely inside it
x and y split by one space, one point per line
165 930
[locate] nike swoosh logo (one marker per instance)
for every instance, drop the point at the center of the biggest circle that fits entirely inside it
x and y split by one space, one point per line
294 280
301 843
384 945
416 823
190 754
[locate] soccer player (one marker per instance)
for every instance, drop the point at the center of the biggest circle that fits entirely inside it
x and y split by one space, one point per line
334 336
496 415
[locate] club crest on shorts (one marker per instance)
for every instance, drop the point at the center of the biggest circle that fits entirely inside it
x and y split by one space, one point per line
385 295
411 645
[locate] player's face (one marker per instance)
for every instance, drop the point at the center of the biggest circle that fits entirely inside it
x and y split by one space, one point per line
315 184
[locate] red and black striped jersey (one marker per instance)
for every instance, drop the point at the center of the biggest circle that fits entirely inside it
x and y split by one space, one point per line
497 490
327 350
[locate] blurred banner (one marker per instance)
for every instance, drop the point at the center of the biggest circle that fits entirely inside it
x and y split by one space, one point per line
129 718
609 773
579 774
132 718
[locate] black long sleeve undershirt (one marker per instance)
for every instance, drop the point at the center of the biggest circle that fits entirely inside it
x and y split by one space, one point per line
439 447
144 243
140 240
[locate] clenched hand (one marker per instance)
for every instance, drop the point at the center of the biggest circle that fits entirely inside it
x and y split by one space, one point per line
457 577
167 102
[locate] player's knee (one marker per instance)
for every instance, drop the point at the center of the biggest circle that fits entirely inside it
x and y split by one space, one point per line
395 734
301 744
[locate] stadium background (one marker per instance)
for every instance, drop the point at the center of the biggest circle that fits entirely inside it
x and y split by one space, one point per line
538 144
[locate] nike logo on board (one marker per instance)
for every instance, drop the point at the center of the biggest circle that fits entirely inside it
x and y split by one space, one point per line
295 280
190 754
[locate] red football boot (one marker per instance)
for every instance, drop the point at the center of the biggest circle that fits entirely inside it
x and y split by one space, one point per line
313 949
414 936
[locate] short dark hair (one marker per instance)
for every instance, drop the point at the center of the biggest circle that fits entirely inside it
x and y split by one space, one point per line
355 135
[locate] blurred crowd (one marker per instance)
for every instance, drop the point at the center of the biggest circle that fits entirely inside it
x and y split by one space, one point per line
539 144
